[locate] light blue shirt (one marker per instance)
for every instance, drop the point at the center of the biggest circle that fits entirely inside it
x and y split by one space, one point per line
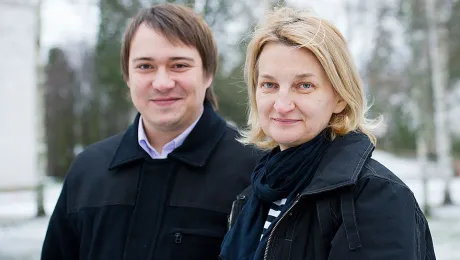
167 148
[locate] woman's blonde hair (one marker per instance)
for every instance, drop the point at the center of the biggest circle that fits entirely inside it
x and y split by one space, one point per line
301 29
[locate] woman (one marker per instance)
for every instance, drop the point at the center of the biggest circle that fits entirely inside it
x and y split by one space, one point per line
318 194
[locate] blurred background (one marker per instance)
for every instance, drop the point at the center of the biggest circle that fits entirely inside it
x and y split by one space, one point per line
61 89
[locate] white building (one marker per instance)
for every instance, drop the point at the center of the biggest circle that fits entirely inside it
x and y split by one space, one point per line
19 110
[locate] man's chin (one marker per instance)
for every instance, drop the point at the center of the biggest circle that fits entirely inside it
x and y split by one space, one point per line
166 123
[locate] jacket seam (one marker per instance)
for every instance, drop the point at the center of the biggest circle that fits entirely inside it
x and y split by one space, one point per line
76 211
418 237
354 222
292 239
375 174
332 187
417 211
74 224
428 254
361 163
361 160
335 217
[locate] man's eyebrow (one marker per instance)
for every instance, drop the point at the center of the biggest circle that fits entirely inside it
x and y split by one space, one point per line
176 58
143 59
182 58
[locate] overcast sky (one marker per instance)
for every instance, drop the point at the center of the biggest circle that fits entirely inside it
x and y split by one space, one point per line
68 20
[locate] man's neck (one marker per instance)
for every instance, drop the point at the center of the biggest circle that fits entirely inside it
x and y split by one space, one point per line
158 138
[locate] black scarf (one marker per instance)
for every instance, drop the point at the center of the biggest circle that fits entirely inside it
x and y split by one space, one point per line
278 175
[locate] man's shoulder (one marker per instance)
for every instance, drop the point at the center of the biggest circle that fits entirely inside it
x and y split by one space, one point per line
230 132
95 156
90 169
231 144
102 148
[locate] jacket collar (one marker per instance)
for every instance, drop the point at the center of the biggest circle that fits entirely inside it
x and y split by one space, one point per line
341 163
195 150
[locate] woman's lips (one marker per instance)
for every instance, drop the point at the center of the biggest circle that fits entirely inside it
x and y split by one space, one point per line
285 121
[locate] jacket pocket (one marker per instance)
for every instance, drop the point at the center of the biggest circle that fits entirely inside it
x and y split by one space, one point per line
196 244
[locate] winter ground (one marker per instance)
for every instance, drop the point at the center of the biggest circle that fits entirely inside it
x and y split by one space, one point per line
21 235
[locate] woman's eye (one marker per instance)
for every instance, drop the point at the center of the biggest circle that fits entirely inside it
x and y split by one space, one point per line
268 85
305 86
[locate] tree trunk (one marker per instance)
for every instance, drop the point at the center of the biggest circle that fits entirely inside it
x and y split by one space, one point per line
421 95
438 40
41 158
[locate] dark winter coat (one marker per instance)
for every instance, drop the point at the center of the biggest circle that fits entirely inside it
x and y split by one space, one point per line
118 203
353 209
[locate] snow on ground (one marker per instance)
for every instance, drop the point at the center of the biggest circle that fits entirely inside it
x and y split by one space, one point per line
21 235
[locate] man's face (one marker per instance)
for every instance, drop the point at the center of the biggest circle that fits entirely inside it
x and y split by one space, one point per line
166 81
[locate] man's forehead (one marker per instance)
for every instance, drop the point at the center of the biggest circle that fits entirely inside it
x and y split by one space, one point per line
166 35
157 43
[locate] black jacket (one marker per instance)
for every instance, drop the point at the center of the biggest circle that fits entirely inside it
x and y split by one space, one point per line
353 209
118 203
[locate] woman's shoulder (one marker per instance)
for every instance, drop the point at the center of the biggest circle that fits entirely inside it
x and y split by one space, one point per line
383 191
374 169
376 174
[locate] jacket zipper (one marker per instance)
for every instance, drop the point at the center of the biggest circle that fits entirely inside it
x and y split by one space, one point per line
285 213
276 224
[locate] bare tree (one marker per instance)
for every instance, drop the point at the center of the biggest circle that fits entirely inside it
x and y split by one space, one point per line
61 91
437 15
412 12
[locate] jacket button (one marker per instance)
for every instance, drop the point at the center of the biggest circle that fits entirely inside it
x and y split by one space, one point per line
178 239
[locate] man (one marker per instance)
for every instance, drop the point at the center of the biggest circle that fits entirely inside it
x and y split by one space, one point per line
164 188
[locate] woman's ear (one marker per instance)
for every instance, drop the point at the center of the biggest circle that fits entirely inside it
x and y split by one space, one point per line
340 106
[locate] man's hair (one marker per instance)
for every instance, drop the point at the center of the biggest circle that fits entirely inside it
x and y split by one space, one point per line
302 29
180 25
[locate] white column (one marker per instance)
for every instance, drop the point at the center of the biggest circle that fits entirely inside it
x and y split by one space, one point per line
18 95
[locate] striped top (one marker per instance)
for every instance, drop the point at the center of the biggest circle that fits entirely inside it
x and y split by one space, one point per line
273 213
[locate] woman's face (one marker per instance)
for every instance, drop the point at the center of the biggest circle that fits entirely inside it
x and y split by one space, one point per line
295 100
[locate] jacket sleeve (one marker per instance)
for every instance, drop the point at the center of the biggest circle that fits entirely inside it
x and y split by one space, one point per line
61 240
388 222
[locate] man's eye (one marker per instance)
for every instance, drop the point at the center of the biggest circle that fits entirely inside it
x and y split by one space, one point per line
144 66
180 66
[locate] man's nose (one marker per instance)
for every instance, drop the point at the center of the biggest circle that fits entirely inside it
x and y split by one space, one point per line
162 82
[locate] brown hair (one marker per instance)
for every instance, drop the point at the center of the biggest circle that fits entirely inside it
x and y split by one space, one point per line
180 25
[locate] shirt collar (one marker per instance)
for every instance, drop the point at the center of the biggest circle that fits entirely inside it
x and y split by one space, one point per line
195 151
167 148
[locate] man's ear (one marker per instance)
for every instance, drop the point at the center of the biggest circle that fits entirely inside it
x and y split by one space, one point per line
208 81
